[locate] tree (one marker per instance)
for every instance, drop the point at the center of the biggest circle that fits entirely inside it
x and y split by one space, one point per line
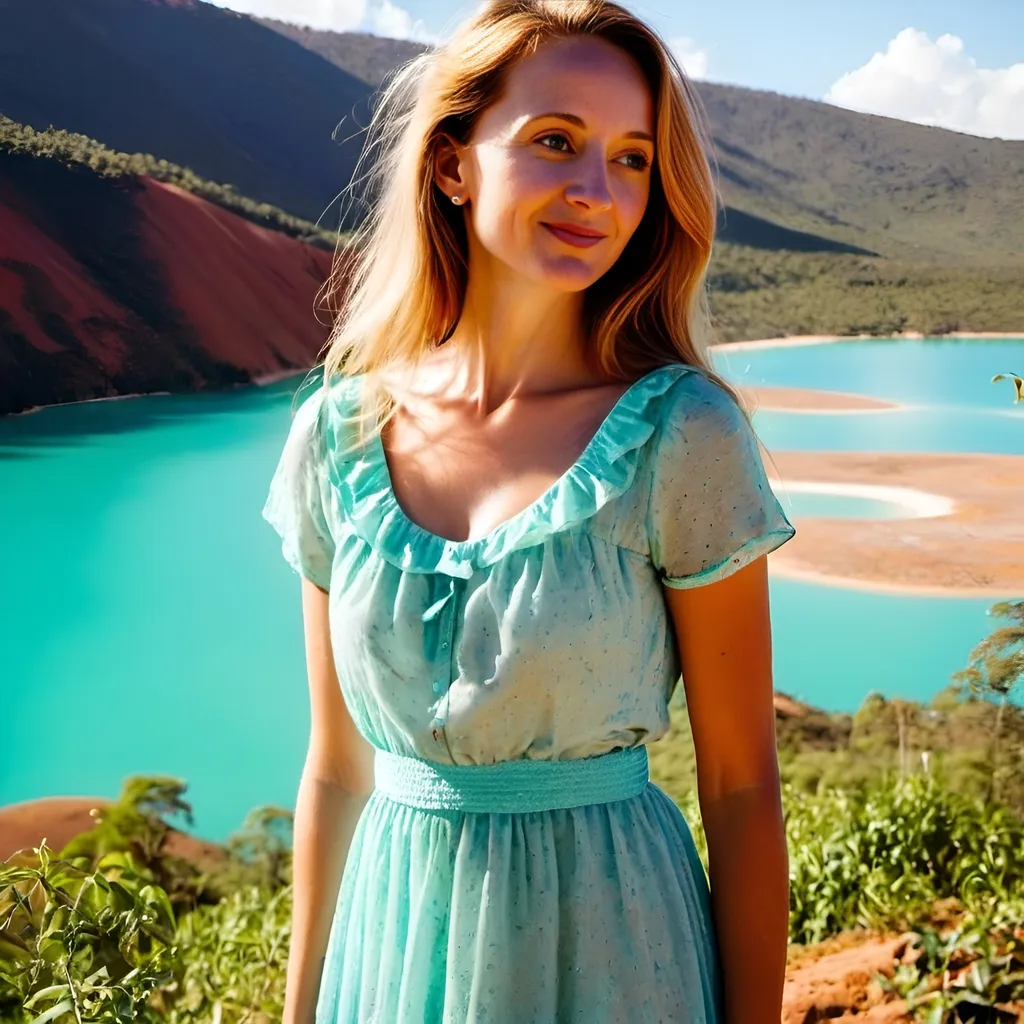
996 667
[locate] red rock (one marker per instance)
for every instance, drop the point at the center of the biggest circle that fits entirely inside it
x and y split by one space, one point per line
840 984
129 286
58 819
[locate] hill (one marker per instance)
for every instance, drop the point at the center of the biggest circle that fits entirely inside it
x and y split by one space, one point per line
124 274
901 190
255 104
368 57
806 176
192 83
114 284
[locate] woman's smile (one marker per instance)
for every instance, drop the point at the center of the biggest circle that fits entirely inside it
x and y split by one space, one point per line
573 234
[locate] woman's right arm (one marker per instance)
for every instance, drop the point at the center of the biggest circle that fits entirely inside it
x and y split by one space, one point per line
336 780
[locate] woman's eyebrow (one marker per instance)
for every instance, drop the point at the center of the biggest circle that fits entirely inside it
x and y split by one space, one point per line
580 123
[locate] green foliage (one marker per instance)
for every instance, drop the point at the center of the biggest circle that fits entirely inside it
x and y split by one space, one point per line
135 824
82 945
121 929
758 293
883 857
889 814
136 821
75 150
995 669
996 665
878 858
236 962
264 844
972 973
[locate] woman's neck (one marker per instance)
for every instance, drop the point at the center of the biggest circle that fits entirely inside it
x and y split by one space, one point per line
515 340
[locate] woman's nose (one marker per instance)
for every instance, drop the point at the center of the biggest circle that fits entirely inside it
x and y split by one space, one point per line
589 185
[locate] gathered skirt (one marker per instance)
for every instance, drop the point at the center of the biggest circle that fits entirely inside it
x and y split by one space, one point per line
524 892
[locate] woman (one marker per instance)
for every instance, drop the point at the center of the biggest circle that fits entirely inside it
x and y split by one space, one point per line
522 503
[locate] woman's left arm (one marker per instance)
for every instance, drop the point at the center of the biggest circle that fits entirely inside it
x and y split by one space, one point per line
724 634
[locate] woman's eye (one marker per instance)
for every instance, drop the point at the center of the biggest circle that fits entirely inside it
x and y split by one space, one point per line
560 144
641 163
557 138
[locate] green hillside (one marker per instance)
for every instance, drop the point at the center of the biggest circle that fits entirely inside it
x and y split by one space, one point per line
277 111
757 293
902 190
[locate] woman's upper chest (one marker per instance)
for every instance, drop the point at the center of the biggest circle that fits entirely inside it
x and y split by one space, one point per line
461 476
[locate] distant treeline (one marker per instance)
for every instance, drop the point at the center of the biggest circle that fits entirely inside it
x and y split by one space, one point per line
73 149
761 293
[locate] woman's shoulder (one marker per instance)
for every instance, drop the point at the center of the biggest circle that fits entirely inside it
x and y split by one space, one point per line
334 400
696 405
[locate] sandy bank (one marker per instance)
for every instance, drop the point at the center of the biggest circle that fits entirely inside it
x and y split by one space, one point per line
971 548
798 340
260 381
807 400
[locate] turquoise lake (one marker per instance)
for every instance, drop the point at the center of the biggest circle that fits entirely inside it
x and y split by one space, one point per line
148 623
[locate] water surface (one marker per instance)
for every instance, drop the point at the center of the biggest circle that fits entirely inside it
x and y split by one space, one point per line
148 623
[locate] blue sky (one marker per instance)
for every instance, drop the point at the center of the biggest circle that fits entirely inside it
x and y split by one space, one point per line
954 63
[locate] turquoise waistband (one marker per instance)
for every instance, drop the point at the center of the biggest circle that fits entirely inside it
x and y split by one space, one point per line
512 787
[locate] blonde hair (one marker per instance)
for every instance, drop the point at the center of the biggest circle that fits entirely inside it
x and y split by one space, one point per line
397 289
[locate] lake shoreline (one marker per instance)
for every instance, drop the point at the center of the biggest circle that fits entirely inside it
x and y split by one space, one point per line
787 341
888 588
969 543
800 340
59 819
810 401
938 555
260 381
972 550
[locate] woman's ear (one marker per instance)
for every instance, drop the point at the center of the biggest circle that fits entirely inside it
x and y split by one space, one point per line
448 168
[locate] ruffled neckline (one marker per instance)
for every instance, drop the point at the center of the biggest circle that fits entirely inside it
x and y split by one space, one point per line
604 470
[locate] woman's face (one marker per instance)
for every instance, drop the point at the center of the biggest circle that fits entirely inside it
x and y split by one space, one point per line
558 170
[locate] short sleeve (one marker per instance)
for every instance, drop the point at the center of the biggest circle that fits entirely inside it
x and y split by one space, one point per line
295 503
712 510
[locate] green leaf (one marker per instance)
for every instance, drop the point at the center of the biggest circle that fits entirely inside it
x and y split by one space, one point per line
67 1006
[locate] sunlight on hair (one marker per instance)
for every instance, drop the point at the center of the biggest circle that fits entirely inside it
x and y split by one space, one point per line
397 288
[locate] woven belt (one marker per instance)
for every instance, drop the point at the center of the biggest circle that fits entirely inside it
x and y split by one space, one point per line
512 787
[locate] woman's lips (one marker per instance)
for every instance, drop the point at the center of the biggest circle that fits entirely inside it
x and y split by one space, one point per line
571 237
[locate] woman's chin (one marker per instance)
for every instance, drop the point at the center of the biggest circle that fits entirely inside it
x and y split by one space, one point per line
569 273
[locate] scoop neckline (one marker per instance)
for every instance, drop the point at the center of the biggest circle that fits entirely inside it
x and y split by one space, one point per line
378 452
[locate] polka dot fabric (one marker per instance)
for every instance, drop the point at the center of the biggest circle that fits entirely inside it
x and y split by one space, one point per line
546 640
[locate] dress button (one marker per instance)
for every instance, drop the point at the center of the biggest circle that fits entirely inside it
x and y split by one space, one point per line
439 686
444 646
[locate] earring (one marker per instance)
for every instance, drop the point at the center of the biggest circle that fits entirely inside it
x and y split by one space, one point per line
456 200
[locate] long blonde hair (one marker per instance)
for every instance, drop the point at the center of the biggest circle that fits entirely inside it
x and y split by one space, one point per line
397 289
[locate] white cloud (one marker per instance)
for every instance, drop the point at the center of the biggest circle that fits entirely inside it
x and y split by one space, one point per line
381 17
936 83
386 19
333 15
693 60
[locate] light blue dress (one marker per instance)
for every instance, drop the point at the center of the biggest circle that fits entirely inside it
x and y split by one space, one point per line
515 865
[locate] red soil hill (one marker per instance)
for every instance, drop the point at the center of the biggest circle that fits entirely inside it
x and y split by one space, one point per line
124 286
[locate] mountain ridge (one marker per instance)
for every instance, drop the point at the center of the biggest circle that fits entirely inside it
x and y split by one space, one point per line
866 189
258 105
